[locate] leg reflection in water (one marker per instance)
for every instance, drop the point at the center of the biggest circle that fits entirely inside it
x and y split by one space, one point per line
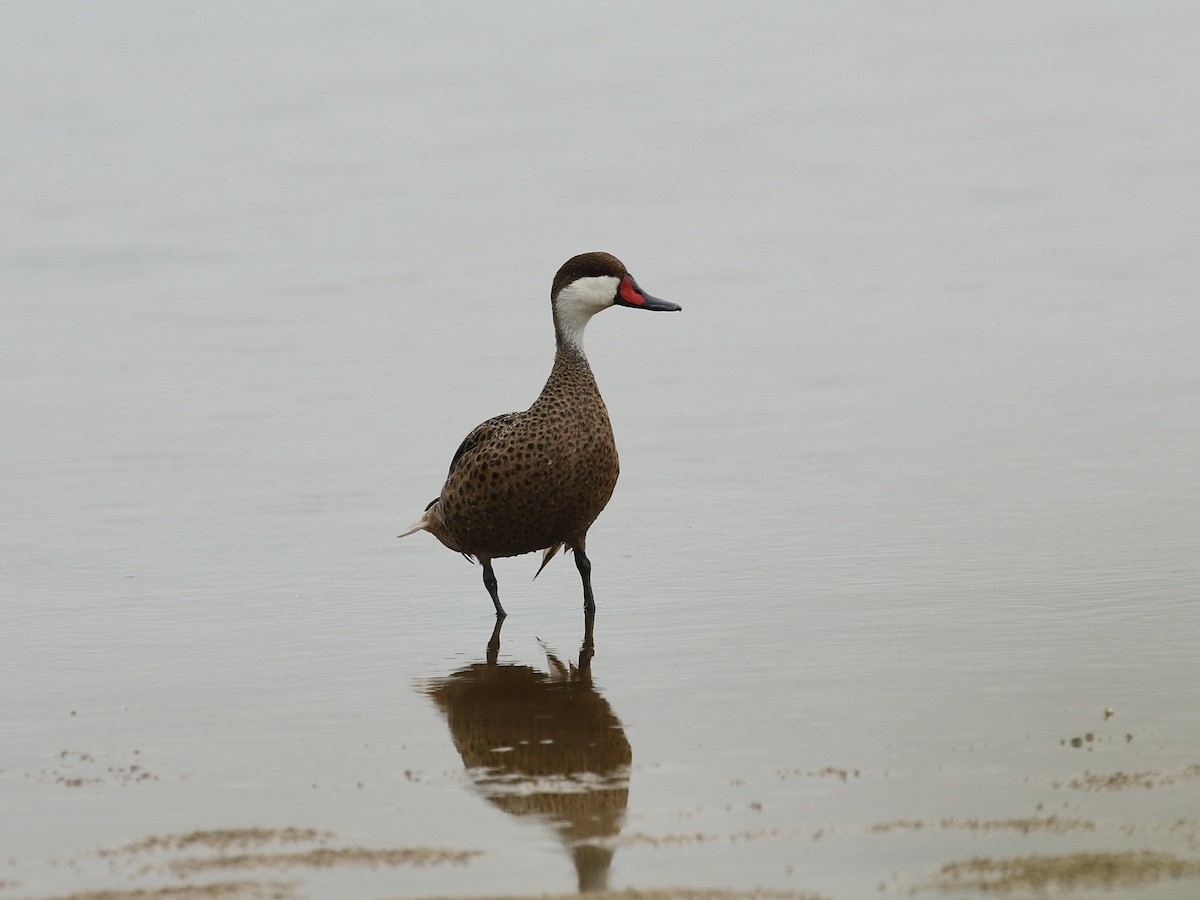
544 744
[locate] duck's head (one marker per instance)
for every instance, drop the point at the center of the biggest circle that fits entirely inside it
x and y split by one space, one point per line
589 283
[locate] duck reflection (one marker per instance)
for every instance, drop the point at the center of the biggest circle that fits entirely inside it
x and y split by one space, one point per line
543 744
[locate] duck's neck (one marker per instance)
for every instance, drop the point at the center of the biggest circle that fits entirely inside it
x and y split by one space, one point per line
571 375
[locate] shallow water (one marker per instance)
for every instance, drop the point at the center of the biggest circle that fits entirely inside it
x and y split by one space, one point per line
901 572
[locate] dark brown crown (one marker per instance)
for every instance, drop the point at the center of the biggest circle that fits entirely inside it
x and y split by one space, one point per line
586 265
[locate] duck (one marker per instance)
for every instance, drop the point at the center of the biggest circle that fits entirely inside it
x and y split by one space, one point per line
524 482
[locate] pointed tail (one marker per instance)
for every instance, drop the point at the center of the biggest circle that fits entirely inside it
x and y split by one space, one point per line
550 553
546 557
415 527
422 524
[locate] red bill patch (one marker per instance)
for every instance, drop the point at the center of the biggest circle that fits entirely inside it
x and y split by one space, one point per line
629 293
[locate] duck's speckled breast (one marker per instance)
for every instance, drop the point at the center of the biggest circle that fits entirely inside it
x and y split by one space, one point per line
539 478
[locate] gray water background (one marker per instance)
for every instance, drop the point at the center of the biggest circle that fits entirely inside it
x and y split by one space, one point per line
909 490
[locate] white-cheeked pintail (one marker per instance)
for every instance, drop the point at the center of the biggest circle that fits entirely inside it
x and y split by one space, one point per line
537 480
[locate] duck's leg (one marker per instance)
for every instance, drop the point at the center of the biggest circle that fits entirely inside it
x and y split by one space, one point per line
584 565
588 649
489 582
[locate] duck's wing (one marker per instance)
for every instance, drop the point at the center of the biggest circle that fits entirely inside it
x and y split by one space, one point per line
481 434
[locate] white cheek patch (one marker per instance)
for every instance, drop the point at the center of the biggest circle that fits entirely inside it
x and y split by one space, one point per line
580 300
592 294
